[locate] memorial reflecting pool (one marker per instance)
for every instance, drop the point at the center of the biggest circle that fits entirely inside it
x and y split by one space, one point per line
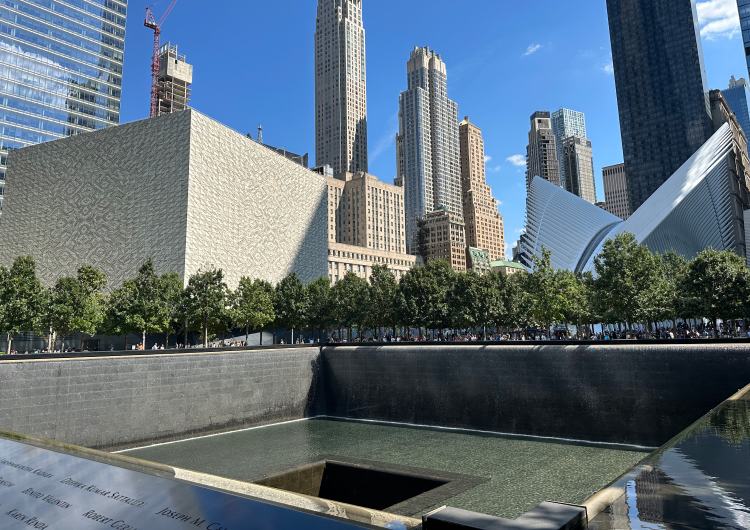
497 475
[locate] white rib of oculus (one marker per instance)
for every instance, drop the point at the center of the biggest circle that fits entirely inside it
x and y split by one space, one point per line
698 207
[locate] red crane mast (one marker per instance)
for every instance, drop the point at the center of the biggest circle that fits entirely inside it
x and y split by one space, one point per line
152 24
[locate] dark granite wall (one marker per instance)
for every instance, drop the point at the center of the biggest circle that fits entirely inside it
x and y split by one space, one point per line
635 393
112 402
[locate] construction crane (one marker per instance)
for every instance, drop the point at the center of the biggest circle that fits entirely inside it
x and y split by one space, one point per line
152 24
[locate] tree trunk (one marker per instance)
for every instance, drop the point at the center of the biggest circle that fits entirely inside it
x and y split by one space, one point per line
143 340
261 336
247 335
49 340
292 341
10 343
205 336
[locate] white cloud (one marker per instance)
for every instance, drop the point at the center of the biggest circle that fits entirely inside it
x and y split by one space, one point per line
718 18
487 159
517 160
532 49
609 68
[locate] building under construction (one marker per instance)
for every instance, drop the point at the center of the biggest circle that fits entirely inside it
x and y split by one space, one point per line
175 78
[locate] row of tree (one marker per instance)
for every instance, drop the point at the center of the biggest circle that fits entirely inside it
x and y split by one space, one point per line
631 286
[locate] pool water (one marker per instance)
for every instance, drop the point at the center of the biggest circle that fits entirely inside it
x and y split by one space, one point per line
493 474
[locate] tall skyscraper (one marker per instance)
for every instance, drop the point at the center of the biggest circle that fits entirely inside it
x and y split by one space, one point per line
428 145
578 162
661 90
567 123
737 96
484 224
616 191
744 8
60 70
175 78
340 87
541 153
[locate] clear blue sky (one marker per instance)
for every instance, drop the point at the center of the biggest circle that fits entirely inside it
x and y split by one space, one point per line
253 64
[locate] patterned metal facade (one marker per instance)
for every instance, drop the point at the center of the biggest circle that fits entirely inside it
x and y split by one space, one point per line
181 189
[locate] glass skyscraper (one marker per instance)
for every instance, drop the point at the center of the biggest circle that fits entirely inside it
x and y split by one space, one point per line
567 123
744 7
665 114
737 96
60 70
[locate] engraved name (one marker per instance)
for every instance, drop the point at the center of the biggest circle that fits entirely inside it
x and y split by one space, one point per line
28 520
111 522
108 494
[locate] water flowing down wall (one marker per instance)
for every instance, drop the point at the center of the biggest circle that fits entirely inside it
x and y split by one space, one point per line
628 393
632 393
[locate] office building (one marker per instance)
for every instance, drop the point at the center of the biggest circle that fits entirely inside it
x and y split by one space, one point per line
428 145
340 87
442 237
541 152
484 224
701 206
197 195
661 89
737 96
578 162
616 200
175 79
744 9
343 259
367 212
366 227
722 115
567 123
60 71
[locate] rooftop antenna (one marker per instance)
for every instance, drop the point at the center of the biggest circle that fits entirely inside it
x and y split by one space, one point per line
260 134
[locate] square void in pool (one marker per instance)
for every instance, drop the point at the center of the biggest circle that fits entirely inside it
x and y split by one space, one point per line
426 468
373 485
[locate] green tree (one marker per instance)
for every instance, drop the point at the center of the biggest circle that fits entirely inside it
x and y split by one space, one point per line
625 281
144 304
422 300
350 303
656 300
171 290
205 302
517 303
547 296
290 303
717 285
22 298
575 298
252 306
77 305
320 309
382 299
674 269
477 301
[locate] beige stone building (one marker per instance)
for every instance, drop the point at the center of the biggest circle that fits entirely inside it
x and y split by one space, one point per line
359 260
441 236
484 224
366 226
